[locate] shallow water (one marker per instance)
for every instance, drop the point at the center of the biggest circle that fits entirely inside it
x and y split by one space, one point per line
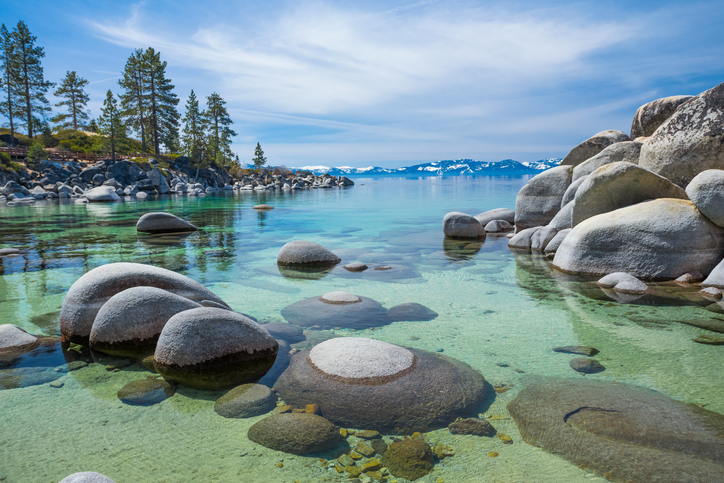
500 312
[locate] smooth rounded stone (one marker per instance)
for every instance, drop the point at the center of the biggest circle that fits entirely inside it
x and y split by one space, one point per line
690 141
210 348
246 401
86 477
691 277
411 312
295 433
624 432
4 252
410 458
523 239
141 195
711 293
406 390
355 267
456 250
102 193
715 277
618 185
658 239
263 207
473 426
555 243
570 193
340 298
586 366
505 214
15 340
288 332
163 223
211 303
592 146
306 253
708 339
145 392
706 191
460 225
313 312
653 114
498 226
88 294
540 239
627 151
130 322
624 283
540 199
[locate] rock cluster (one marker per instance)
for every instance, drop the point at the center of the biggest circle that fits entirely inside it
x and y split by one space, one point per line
285 179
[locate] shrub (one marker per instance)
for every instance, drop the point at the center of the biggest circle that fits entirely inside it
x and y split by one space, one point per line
36 153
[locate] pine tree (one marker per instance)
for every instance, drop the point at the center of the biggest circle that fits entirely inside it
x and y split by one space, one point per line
110 123
259 160
134 107
10 106
29 82
162 102
92 125
220 132
76 99
194 130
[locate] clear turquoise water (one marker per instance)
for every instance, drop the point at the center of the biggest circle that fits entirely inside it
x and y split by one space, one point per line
502 313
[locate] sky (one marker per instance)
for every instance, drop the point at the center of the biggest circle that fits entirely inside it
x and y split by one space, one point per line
396 83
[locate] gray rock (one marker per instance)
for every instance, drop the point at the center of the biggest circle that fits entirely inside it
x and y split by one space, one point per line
716 277
113 183
16 340
658 239
712 294
706 191
102 193
563 218
498 226
283 331
88 173
98 179
540 199
145 392
92 290
523 239
163 223
473 426
210 348
552 247
542 237
314 312
295 433
246 401
577 349
86 477
263 207
4 252
592 146
410 312
141 195
618 185
690 141
14 187
355 267
650 116
306 253
159 181
497 214
691 277
460 225
624 283
627 151
570 193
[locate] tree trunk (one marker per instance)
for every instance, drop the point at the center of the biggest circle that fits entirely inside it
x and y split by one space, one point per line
10 112
27 93
140 109
154 113
216 131
75 120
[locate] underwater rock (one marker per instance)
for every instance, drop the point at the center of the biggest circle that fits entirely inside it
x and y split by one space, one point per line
653 114
460 225
209 348
145 392
540 199
592 146
473 426
706 191
130 322
86 477
456 250
92 290
577 349
626 433
410 312
283 331
263 207
505 214
15 341
306 253
246 401
359 382
27 376
410 458
360 314
295 433
163 223
624 283
586 366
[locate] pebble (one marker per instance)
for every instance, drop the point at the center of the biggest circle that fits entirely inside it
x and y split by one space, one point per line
56 384
368 434
493 454
505 438
364 449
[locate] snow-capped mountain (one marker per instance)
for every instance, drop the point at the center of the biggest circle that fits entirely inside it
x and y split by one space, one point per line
439 168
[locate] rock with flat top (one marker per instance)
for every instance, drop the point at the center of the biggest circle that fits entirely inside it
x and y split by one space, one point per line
246 401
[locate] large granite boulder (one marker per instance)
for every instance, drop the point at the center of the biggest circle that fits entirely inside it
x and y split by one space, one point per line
336 309
102 193
159 181
88 294
86 477
650 116
570 193
210 348
706 191
592 146
690 141
460 225
627 151
622 432
125 172
618 185
359 382
306 254
130 322
658 239
540 199
716 277
295 433
163 223
504 214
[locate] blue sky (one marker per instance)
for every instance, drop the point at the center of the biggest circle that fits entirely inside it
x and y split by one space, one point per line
393 84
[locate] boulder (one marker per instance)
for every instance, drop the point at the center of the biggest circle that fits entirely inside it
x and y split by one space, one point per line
570 193
592 146
498 226
505 214
15 340
409 458
336 309
627 151
295 433
716 277
86 477
624 283
306 253
355 267
159 181
460 225
650 116
88 294
622 432
706 191
586 366
130 322
540 239
210 348
359 382
658 239
246 401
163 223
14 187
145 392
288 332
555 243
474 426
88 173
102 193
410 312
98 179
540 199
618 185
523 239
690 141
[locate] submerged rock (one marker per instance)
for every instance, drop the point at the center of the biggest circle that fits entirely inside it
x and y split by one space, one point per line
410 458
473 426
295 433
246 401
355 267
163 223
460 225
15 341
145 392
86 477
336 310
283 331
586 366
577 349
410 312
624 283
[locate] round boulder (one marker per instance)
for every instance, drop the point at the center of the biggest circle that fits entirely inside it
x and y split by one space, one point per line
627 151
306 253
359 382
92 290
210 348
460 225
410 312
653 114
505 214
295 433
540 199
263 207
246 401
86 477
163 223
592 146
145 392
624 283
410 458
336 309
13 339
355 267
5 252
102 193
706 191
498 226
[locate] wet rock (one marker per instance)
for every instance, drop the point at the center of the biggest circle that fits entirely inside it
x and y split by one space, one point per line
263 207
505 214
624 432
540 199
361 314
458 250
145 392
4 252
653 114
295 433
410 312
592 146
410 458
706 191
163 223
627 151
555 243
577 349
624 283
288 332
474 426
586 366
691 277
378 445
27 376
210 348
364 449
498 226
246 401
523 239
102 193
360 382
15 341
355 267
86 477
709 340
368 434
306 253
711 293
460 225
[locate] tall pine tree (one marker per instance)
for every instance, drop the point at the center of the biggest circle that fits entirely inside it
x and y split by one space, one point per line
10 105
75 98
110 123
30 84
220 131
162 102
194 129
134 106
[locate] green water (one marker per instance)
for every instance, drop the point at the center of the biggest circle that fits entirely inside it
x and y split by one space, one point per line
501 313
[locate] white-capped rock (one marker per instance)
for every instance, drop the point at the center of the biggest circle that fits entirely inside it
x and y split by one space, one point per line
624 283
498 226
102 193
